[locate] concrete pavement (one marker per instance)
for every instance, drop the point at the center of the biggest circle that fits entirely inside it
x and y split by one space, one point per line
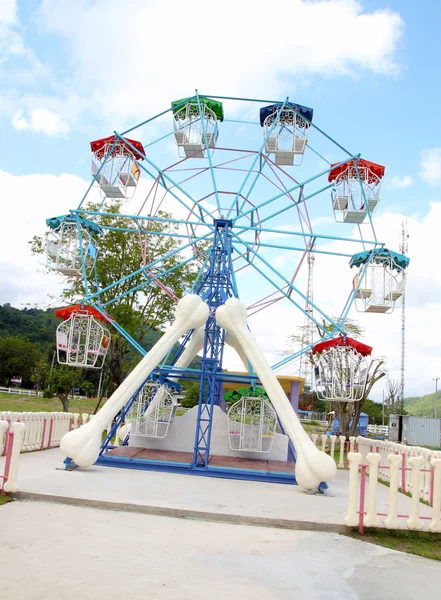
226 500
55 552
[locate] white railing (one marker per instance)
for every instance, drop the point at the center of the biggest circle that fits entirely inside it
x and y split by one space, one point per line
44 429
378 429
364 514
22 392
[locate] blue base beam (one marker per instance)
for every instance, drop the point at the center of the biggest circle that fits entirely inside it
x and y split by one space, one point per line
186 468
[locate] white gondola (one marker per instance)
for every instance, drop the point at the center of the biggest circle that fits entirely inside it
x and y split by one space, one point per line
82 340
66 248
189 128
340 374
251 424
118 174
153 411
288 138
381 287
355 192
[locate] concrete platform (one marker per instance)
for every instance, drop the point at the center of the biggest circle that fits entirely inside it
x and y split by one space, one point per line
55 552
235 501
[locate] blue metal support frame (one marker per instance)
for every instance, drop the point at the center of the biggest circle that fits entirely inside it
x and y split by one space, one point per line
215 288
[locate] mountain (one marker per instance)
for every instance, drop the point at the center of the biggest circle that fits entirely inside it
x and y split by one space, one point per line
423 406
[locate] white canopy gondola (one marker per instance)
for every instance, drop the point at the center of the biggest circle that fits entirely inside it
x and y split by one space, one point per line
153 411
356 184
189 125
117 175
341 369
82 339
70 241
288 138
251 424
379 286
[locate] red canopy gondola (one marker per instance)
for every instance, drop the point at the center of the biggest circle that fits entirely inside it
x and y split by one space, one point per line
98 147
362 349
65 312
375 169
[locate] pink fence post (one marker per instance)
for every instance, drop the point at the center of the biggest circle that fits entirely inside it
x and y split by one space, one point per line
50 433
70 423
432 485
42 435
362 493
403 473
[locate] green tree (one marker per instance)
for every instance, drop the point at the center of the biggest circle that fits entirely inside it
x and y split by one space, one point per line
40 375
348 412
191 398
18 357
120 254
64 379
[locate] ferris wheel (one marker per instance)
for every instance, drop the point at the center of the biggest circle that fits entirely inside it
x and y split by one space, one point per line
241 195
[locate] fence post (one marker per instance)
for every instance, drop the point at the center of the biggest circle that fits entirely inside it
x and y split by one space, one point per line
392 521
314 437
403 472
18 431
414 522
324 438
351 519
333 439
4 425
371 519
351 443
362 495
341 462
435 523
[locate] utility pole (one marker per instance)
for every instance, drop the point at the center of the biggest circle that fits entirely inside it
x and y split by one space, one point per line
435 379
305 367
403 250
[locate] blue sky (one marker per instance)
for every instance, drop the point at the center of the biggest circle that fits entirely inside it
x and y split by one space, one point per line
72 72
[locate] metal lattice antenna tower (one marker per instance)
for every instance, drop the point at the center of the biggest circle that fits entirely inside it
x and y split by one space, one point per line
403 250
305 368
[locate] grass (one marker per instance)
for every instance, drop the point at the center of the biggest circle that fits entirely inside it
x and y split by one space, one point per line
4 499
427 545
19 403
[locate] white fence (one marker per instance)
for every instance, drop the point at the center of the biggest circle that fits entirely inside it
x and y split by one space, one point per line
44 429
384 448
364 514
382 430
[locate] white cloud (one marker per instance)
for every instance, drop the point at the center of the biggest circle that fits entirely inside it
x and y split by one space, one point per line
8 12
431 165
41 120
161 58
402 181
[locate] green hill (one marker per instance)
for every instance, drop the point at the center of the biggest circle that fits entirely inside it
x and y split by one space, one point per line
423 406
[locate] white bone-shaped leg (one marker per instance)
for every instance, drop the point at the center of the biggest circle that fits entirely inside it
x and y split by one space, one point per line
83 445
312 465
232 341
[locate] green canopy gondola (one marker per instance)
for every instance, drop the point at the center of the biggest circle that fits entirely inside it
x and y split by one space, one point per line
213 105
235 395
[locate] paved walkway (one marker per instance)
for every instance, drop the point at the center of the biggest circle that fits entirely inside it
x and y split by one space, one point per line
56 552
193 496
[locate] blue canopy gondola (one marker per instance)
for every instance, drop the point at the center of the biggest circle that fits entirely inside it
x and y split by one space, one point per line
398 261
304 111
55 222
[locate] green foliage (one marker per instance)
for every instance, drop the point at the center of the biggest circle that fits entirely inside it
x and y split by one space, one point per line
423 406
18 357
191 389
64 379
375 412
31 324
